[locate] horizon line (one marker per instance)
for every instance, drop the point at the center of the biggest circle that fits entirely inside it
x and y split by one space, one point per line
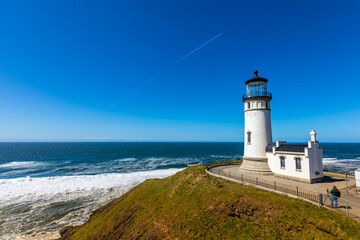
156 141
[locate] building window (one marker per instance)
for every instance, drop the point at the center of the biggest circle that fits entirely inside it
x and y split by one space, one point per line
298 163
282 162
249 137
267 105
248 105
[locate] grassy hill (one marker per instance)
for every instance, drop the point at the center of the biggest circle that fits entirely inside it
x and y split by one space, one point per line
194 205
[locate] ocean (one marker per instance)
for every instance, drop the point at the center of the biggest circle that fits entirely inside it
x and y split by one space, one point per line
45 186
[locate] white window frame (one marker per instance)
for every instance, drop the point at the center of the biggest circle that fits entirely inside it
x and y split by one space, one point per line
296 164
282 167
248 139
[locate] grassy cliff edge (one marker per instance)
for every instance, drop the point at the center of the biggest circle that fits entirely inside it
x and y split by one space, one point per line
192 204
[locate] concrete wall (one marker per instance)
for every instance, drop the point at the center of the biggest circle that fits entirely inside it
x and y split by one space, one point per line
290 165
311 163
357 177
315 154
258 122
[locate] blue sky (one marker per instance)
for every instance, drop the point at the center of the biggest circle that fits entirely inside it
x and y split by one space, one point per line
63 63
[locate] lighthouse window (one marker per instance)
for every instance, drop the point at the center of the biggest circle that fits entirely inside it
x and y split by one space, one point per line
298 163
249 137
249 105
282 162
267 105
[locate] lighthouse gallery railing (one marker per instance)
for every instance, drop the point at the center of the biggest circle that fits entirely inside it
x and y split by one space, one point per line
257 94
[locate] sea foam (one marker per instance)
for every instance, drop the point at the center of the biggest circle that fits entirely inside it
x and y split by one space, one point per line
53 202
336 160
30 187
20 164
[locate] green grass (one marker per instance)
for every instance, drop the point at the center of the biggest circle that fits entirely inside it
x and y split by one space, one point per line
237 161
194 205
337 172
341 173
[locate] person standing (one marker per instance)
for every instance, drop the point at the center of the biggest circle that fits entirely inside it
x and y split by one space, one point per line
335 194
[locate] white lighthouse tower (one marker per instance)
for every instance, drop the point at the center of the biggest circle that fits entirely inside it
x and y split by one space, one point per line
258 134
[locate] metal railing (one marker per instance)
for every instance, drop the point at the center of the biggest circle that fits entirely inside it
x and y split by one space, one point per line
293 190
345 206
257 94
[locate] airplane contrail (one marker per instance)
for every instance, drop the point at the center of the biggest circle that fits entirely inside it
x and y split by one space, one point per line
164 70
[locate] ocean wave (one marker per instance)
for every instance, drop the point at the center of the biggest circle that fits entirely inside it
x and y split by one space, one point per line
46 236
162 159
148 163
23 164
125 160
53 202
224 156
336 160
29 187
153 162
12 172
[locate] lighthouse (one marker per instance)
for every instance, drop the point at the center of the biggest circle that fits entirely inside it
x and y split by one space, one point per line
300 162
257 129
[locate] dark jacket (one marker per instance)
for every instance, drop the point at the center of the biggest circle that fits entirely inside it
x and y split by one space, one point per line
335 192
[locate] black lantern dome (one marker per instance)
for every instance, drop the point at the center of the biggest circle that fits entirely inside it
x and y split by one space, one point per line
256 87
256 78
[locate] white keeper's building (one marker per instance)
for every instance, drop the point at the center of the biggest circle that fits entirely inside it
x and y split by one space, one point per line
302 162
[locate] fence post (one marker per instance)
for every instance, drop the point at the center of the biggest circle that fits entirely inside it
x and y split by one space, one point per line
319 198
229 173
274 185
257 181
347 209
297 191
346 180
242 178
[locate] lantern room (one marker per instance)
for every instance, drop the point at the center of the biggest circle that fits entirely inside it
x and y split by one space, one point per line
256 87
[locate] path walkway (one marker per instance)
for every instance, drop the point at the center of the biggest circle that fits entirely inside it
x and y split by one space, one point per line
298 189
